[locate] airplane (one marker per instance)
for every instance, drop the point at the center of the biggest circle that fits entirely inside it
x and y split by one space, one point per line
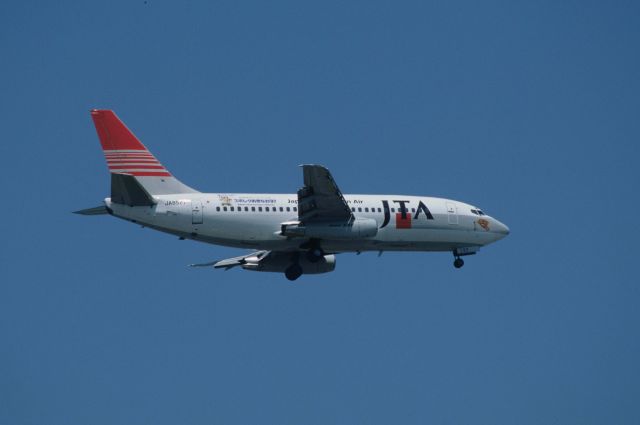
294 234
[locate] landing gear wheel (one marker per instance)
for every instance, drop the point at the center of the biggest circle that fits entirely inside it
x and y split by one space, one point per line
314 255
458 262
293 272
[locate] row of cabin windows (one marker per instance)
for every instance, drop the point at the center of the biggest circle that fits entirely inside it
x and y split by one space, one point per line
288 209
366 209
259 209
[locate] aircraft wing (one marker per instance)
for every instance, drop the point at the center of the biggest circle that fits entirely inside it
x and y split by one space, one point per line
235 261
320 199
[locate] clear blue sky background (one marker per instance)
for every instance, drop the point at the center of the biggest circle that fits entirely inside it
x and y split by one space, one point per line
528 110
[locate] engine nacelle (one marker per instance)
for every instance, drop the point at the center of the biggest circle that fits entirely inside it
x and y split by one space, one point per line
279 262
356 229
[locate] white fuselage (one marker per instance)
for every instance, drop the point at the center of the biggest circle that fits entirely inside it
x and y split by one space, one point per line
405 223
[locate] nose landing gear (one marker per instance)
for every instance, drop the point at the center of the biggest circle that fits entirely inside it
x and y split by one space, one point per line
459 252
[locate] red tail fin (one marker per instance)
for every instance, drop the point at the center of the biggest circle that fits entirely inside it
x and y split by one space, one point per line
125 154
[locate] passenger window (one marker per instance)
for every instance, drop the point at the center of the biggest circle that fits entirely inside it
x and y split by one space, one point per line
295 208
281 209
224 208
288 209
246 208
379 209
393 210
359 209
253 209
413 210
366 209
260 209
217 208
353 209
231 208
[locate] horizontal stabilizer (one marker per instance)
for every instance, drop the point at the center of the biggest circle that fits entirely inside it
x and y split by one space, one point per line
93 211
127 190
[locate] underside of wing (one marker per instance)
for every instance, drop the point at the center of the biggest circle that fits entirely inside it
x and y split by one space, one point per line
235 261
320 200
292 264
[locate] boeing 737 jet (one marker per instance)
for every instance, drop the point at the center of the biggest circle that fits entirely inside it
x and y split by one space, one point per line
294 234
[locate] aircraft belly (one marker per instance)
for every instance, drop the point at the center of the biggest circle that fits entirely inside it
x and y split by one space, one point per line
433 239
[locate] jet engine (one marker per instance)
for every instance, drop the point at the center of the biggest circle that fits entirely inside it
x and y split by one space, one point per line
355 229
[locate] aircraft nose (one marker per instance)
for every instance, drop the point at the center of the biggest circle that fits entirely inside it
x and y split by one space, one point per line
501 228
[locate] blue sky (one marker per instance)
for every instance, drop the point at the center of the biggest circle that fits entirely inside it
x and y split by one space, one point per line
528 110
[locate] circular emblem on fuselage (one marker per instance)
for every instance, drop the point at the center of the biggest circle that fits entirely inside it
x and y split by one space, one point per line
484 223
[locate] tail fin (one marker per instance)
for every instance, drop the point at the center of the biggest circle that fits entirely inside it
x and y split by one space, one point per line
126 155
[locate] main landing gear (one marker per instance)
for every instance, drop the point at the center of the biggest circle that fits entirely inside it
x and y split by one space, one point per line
293 272
315 254
314 251
458 262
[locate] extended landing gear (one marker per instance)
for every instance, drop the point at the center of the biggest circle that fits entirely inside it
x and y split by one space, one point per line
459 252
314 251
293 272
315 254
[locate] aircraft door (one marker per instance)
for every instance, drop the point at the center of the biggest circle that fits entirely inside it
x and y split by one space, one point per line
452 213
196 212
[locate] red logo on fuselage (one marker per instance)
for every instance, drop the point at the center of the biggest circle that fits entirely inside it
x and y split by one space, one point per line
403 223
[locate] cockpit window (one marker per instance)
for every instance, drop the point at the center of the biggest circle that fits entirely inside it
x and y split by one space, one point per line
477 212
